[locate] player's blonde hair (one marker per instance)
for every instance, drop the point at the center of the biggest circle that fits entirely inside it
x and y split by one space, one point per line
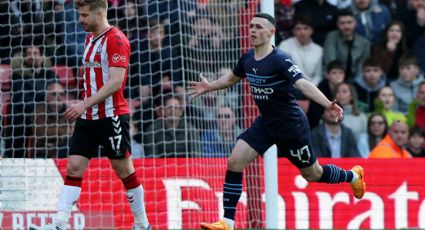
93 4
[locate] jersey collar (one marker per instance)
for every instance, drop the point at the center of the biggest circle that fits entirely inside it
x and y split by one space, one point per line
102 34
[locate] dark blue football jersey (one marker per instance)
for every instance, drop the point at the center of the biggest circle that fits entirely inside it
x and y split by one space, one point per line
271 81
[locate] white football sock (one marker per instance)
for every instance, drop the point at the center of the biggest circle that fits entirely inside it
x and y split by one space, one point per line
229 222
355 177
135 197
67 198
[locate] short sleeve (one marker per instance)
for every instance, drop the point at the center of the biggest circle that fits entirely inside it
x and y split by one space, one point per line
118 49
238 70
290 70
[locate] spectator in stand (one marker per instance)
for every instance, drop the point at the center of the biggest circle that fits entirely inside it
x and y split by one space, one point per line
129 22
323 13
210 102
397 8
385 104
377 128
220 141
353 118
420 16
334 75
30 78
228 20
416 142
10 30
144 111
206 46
74 36
52 29
416 113
31 75
418 47
391 49
168 135
172 14
72 45
40 19
160 68
407 83
333 139
230 96
51 130
346 45
303 51
284 14
372 18
137 150
195 113
368 84
128 17
392 146
414 29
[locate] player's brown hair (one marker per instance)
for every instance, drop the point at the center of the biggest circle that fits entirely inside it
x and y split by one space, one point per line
93 4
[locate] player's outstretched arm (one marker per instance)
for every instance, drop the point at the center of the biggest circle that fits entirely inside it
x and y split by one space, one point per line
197 88
312 92
111 86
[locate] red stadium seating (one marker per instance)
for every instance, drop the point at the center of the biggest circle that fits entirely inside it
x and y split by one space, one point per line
5 75
66 75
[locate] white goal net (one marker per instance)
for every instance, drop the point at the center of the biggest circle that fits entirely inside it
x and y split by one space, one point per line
179 145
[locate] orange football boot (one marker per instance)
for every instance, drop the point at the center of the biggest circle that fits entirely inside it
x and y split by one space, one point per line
359 186
220 225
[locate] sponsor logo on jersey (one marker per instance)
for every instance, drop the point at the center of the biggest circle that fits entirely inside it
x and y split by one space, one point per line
259 90
116 58
261 93
294 69
92 64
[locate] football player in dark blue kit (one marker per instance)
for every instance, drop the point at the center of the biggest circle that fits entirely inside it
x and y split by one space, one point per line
272 75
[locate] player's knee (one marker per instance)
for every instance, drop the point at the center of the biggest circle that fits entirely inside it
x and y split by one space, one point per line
234 164
123 173
74 169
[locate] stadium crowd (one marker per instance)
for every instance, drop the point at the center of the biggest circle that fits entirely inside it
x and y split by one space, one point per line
367 54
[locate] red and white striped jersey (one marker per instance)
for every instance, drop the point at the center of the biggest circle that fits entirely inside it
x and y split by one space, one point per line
110 49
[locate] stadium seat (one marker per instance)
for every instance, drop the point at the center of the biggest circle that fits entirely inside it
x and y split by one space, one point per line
304 104
5 75
66 75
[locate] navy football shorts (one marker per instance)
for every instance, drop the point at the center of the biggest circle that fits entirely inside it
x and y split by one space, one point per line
292 142
112 133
